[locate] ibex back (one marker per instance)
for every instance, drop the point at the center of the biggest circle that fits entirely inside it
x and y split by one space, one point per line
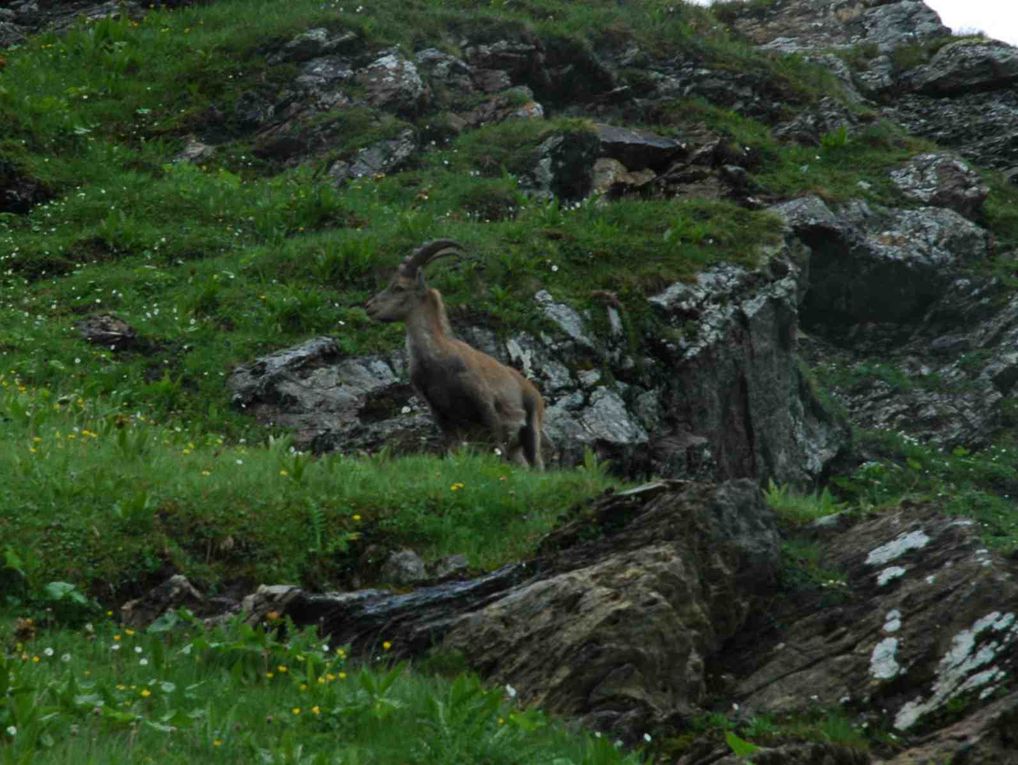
471 395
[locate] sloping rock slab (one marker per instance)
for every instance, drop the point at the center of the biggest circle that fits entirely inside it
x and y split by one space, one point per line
981 126
613 623
932 620
988 737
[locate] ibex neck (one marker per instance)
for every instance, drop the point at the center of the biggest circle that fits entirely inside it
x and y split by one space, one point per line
427 328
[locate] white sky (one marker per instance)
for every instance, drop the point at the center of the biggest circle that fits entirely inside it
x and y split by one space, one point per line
997 18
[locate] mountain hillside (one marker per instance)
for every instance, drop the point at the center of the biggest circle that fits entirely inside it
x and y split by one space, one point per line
760 259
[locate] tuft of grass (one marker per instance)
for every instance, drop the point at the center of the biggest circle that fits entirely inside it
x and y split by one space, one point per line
795 509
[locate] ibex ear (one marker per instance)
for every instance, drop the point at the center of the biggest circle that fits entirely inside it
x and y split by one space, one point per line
420 279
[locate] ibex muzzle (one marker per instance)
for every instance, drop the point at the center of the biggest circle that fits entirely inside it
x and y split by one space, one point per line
471 395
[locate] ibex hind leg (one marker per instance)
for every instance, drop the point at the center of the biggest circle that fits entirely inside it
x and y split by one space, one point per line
530 441
517 453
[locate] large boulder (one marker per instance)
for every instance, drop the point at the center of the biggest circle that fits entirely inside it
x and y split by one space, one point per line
613 623
966 66
879 265
638 149
327 399
733 380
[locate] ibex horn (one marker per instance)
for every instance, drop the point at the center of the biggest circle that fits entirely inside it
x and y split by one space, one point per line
428 252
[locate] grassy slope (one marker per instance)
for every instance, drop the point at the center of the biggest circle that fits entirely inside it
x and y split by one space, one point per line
214 264
241 695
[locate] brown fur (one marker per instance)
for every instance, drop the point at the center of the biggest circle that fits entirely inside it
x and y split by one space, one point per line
471 395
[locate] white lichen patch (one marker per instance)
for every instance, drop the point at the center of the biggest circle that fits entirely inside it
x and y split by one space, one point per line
913 540
889 574
967 665
883 663
892 622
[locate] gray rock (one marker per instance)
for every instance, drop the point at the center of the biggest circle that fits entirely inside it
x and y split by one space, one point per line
886 266
404 568
449 566
10 34
176 592
981 126
944 181
195 151
392 82
377 159
108 331
325 72
314 43
965 66
443 71
564 166
797 26
637 149
564 317
351 403
521 60
491 80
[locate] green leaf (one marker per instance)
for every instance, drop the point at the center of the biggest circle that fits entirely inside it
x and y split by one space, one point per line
739 746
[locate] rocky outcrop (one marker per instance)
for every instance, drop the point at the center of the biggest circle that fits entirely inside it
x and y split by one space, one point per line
966 66
874 265
612 623
795 26
928 621
723 396
392 82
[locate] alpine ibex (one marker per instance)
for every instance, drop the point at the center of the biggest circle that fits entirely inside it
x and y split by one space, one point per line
471 395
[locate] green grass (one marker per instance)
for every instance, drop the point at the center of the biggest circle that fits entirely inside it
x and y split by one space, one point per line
239 694
746 734
979 485
103 499
797 509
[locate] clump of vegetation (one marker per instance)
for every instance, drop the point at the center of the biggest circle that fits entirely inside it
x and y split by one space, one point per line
181 693
796 509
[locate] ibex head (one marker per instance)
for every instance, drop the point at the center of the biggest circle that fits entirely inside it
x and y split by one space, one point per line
407 288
